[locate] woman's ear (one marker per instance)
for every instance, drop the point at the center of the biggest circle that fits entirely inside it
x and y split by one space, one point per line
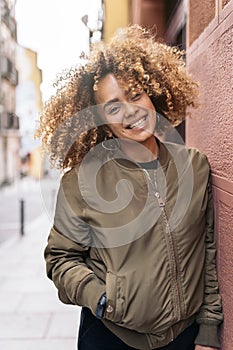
108 132
105 132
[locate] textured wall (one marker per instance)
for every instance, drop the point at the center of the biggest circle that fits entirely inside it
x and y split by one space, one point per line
210 61
202 12
224 219
213 129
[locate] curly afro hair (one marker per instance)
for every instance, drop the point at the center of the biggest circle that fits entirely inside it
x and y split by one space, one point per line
69 127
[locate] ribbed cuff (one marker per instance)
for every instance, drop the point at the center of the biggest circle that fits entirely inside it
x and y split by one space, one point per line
89 294
208 335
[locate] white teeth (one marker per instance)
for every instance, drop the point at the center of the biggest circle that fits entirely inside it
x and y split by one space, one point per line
138 123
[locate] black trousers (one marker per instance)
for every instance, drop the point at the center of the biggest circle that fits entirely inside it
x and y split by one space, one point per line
93 335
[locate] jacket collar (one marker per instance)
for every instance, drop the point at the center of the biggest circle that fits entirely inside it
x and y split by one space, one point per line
121 158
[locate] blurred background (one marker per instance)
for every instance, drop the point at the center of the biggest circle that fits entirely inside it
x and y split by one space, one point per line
41 38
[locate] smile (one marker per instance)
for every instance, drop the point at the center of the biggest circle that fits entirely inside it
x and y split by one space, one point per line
137 124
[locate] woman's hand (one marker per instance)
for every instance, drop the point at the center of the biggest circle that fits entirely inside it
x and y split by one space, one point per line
201 347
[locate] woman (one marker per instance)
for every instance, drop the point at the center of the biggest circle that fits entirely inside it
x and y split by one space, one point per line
132 240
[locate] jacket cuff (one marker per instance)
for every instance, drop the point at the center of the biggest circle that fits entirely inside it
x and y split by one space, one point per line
208 335
91 291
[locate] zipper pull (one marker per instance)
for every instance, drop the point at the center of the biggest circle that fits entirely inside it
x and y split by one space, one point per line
160 200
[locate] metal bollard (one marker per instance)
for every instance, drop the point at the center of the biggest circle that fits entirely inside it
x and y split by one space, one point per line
21 217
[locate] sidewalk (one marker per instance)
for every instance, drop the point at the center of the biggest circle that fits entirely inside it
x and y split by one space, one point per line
31 316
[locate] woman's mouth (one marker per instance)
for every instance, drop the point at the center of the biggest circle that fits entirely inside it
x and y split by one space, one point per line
138 124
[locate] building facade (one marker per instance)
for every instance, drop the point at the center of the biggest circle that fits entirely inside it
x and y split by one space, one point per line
9 121
210 61
28 108
94 22
116 16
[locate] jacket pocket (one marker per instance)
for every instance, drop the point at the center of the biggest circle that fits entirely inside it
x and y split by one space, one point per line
115 297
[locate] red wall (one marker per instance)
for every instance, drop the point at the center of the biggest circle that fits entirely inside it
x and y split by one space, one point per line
210 60
149 13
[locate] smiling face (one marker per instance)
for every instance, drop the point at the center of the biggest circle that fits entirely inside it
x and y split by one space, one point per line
128 116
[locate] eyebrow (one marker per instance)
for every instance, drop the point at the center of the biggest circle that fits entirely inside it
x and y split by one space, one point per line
110 102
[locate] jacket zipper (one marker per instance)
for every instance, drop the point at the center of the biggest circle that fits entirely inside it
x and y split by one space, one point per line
170 238
174 267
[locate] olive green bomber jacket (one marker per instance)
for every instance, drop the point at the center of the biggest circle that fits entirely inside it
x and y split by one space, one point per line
148 242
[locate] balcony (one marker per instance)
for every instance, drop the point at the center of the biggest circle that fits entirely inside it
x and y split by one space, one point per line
9 121
9 21
9 71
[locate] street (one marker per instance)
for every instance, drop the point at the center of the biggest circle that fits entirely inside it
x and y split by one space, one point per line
31 315
38 197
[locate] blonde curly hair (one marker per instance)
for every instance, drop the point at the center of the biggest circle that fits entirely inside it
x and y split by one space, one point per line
69 128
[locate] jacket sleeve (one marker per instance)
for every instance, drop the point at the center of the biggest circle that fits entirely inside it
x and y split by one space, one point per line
210 314
68 246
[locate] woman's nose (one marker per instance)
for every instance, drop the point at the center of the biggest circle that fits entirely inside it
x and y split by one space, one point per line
130 110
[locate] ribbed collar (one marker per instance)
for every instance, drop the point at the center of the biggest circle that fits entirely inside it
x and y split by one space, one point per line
163 158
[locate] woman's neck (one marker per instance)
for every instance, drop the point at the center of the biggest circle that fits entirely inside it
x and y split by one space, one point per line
140 152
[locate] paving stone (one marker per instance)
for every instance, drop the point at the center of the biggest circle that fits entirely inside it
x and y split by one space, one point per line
31 315
44 302
39 344
63 325
9 301
25 284
13 326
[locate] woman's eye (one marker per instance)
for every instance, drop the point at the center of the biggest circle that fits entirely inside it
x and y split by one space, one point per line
114 109
136 97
